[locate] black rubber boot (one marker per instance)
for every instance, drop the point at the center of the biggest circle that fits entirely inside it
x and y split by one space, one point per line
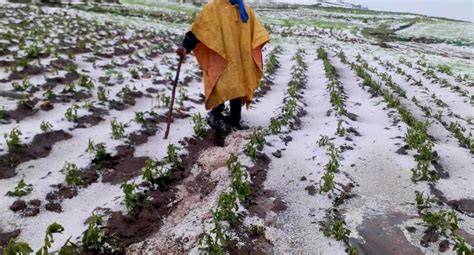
215 118
236 114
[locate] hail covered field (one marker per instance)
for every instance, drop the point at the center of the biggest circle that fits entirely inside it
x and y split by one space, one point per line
360 139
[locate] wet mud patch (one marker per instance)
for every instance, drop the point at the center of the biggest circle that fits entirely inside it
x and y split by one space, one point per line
21 112
28 70
141 136
40 147
131 229
382 235
30 209
123 166
249 241
6 236
262 201
91 120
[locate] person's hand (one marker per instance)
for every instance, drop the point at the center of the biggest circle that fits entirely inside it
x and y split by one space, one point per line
181 51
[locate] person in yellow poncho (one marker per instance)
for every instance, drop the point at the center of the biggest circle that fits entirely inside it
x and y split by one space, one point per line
227 39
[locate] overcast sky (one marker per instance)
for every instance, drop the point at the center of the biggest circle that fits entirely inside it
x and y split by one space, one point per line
456 9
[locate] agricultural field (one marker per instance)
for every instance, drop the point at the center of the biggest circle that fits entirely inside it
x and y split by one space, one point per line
360 141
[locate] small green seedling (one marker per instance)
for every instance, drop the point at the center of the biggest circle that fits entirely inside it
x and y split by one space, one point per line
71 172
199 125
71 112
45 126
21 189
118 129
173 157
328 182
13 139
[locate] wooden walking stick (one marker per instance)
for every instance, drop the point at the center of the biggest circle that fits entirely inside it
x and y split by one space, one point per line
170 112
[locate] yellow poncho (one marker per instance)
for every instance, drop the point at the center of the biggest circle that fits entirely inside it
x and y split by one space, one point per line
229 52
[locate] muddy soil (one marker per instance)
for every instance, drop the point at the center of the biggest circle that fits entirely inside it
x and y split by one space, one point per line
40 147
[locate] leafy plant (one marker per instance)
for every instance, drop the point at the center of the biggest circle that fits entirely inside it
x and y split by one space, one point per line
49 94
72 174
93 237
45 126
86 82
328 182
336 229
16 248
239 178
173 156
323 141
461 248
257 141
118 129
13 139
446 222
215 242
140 118
340 131
199 125
134 200
153 172
71 112
99 150
48 238
21 189
102 95
422 202
227 208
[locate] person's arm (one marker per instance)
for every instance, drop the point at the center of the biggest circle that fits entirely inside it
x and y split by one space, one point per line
189 43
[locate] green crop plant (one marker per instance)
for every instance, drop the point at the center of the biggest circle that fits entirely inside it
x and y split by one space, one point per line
153 172
422 173
323 141
21 189
16 248
239 178
71 113
71 172
417 134
340 131
352 250
48 238
216 242
275 126
3 113
445 222
227 208
86 82
93 237
134 200
336 229
118 129
445 69
25 102
173 157
49 94
422 202
45 126
102 95
124 92
165 101
134 73
328 182
13 139
322 53
69 88
461 248
199 125
458 132
98 149
140 118
23 86
342 56
257 141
